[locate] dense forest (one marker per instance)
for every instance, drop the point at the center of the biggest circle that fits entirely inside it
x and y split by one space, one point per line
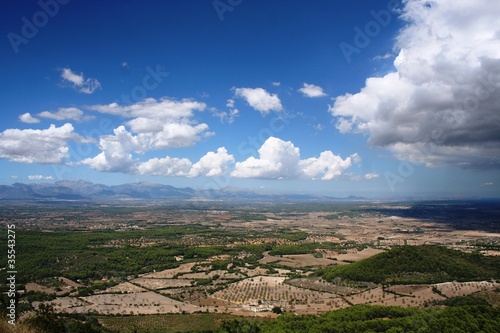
417 264
457 319
81 255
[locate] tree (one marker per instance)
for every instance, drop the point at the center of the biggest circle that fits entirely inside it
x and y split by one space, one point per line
277 310
46 320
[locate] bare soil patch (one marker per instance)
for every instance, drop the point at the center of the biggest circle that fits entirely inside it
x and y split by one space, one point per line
123 304
125 288
157 284
69 282
355 255
297 260
31 286
171 273
453 289
211 274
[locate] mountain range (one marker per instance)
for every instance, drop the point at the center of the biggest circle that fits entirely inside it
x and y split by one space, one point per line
84 190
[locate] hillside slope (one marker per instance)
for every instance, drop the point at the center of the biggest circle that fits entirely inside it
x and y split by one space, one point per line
417 264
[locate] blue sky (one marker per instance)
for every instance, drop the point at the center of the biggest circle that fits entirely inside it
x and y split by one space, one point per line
376 98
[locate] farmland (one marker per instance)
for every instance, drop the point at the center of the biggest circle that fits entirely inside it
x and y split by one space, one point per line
245 260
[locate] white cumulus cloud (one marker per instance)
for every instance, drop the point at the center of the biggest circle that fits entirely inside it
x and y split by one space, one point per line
166 166
116 152
209 165
163 123
277 159
79 82
155 124
259 99
280 159
212 164
175 135
28 118
440 106
327 166
47 146
311 90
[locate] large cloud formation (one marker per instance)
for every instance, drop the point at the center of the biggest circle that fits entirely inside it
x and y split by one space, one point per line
116 152
155 124
165 123
280 159
117 156
46 146
442 104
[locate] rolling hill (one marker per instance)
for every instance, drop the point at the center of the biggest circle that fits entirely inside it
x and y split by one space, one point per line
417 264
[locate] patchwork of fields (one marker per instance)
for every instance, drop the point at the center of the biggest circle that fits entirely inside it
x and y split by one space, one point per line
233 263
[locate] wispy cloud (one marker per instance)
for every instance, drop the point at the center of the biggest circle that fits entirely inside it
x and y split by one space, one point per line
383 57
40 177
226 116
79 82
70 113
371 175
319 127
